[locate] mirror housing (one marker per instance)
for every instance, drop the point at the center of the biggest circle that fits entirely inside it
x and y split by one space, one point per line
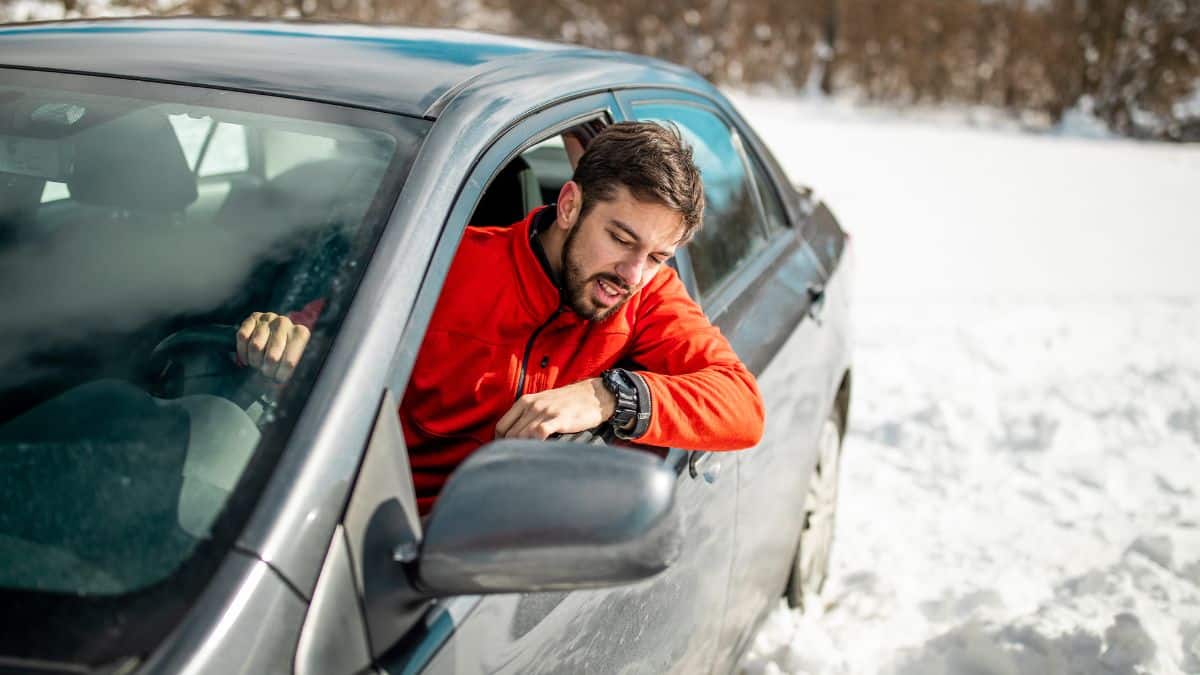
525 516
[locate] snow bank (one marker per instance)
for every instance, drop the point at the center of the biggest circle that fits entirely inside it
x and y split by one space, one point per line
1022 470
946 210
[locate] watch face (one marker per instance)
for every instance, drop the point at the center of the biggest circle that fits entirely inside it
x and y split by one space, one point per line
618 381
611 382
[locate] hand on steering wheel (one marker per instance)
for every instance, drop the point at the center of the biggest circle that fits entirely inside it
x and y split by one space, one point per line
271 344
204 356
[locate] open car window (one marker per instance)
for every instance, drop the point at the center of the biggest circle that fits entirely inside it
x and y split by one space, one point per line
534 177
126 424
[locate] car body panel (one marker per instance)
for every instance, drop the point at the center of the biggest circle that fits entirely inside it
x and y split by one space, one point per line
391 69
248 621
408 71
381 517
334 638
772 477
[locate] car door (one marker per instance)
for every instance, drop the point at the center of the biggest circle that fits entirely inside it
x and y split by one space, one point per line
760 284
669 623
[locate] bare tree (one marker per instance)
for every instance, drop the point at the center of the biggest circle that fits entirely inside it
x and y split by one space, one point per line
1132 61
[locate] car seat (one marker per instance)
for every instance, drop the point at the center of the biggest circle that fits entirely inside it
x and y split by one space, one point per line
512 194
129 169
134 164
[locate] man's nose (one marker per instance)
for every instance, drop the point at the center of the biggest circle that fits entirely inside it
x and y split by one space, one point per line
630 270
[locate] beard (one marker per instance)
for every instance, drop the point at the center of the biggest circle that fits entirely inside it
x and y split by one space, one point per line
577 284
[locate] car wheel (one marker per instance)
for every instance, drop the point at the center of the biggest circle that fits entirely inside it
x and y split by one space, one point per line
811 565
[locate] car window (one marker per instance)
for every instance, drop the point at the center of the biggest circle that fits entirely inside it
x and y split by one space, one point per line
54 191
731 233
534 177
774 214
551 165
226 151
125 424
191 131
218 147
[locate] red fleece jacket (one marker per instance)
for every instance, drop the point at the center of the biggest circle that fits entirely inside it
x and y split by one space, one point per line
497 327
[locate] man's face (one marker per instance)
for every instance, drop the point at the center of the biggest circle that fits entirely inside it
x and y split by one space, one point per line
615 250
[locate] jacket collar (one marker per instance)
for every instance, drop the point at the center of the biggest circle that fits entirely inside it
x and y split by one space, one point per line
537 290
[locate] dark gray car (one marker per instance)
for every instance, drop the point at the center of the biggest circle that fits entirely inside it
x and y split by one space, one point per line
162 509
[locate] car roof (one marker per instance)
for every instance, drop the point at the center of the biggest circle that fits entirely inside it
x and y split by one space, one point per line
410 71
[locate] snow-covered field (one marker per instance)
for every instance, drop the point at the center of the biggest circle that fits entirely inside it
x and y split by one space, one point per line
1021 478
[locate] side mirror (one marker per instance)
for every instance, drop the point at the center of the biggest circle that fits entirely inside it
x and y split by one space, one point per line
522 516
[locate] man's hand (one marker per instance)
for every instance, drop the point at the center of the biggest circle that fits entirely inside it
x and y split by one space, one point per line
566 410
272 344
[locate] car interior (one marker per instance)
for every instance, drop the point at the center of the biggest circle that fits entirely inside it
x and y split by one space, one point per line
531 179
132 188
131 244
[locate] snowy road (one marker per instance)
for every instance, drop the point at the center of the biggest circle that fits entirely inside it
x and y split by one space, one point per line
1021 483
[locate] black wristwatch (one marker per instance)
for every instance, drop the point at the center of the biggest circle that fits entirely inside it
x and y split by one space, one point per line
632 415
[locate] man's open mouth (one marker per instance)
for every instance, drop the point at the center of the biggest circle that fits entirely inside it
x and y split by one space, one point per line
608 292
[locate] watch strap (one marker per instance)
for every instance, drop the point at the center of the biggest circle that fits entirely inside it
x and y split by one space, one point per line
633 403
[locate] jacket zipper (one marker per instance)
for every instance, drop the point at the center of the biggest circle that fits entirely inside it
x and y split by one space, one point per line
529 351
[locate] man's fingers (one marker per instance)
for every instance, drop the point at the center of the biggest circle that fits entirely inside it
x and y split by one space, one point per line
518 417
271 344
258 344
563 410
297 341
506 421
243 336
518 428
280 330
535 423
539 429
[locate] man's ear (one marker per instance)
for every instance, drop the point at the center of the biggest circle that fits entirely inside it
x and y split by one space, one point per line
570 202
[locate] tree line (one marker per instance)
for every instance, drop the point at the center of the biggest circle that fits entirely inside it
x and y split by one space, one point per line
1135 64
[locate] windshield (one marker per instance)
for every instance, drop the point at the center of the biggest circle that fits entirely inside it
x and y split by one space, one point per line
139 224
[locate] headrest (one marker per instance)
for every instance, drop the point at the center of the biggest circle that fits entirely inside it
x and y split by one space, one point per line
321 181
509 197
328 190
132 162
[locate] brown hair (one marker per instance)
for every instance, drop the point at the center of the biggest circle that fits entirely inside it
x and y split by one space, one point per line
649 159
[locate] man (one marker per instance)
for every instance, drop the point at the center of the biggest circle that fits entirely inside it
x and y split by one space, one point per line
536 320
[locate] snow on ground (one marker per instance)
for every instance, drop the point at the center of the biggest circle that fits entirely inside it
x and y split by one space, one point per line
949 210
1021 478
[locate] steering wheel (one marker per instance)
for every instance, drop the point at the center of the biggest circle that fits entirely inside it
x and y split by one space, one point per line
202 359
213 336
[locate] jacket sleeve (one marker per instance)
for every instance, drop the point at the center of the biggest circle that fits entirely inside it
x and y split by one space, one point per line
307 316
702 397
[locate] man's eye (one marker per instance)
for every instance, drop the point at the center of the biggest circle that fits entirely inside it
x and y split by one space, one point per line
657 260
620 241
